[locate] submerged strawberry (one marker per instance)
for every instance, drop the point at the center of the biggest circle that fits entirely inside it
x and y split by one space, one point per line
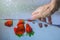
9 23
29 30
15 29
19 32
20 26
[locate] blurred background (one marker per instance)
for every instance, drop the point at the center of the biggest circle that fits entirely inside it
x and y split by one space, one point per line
17 9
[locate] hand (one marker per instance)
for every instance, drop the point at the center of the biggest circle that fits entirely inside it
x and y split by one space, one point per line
43 11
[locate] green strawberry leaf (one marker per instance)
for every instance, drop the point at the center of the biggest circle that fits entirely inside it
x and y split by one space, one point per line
19 35
30 34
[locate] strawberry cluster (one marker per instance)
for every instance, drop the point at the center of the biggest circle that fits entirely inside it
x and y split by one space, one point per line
20 30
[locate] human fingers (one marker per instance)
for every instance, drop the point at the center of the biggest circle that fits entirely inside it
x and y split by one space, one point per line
49 19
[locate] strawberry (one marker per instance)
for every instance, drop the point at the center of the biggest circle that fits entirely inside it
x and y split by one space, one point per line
15 29
21 21
9 23
20 25
29 30
19 31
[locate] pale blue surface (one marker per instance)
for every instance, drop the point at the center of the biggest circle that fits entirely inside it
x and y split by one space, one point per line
6 33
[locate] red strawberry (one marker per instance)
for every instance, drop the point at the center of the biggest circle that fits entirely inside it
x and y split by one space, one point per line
9 23
21 21
29 30
15 29
19 32
20 25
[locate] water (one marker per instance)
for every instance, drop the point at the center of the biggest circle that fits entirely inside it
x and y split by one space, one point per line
23 9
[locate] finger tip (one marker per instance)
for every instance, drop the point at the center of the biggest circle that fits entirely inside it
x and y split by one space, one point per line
32 18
